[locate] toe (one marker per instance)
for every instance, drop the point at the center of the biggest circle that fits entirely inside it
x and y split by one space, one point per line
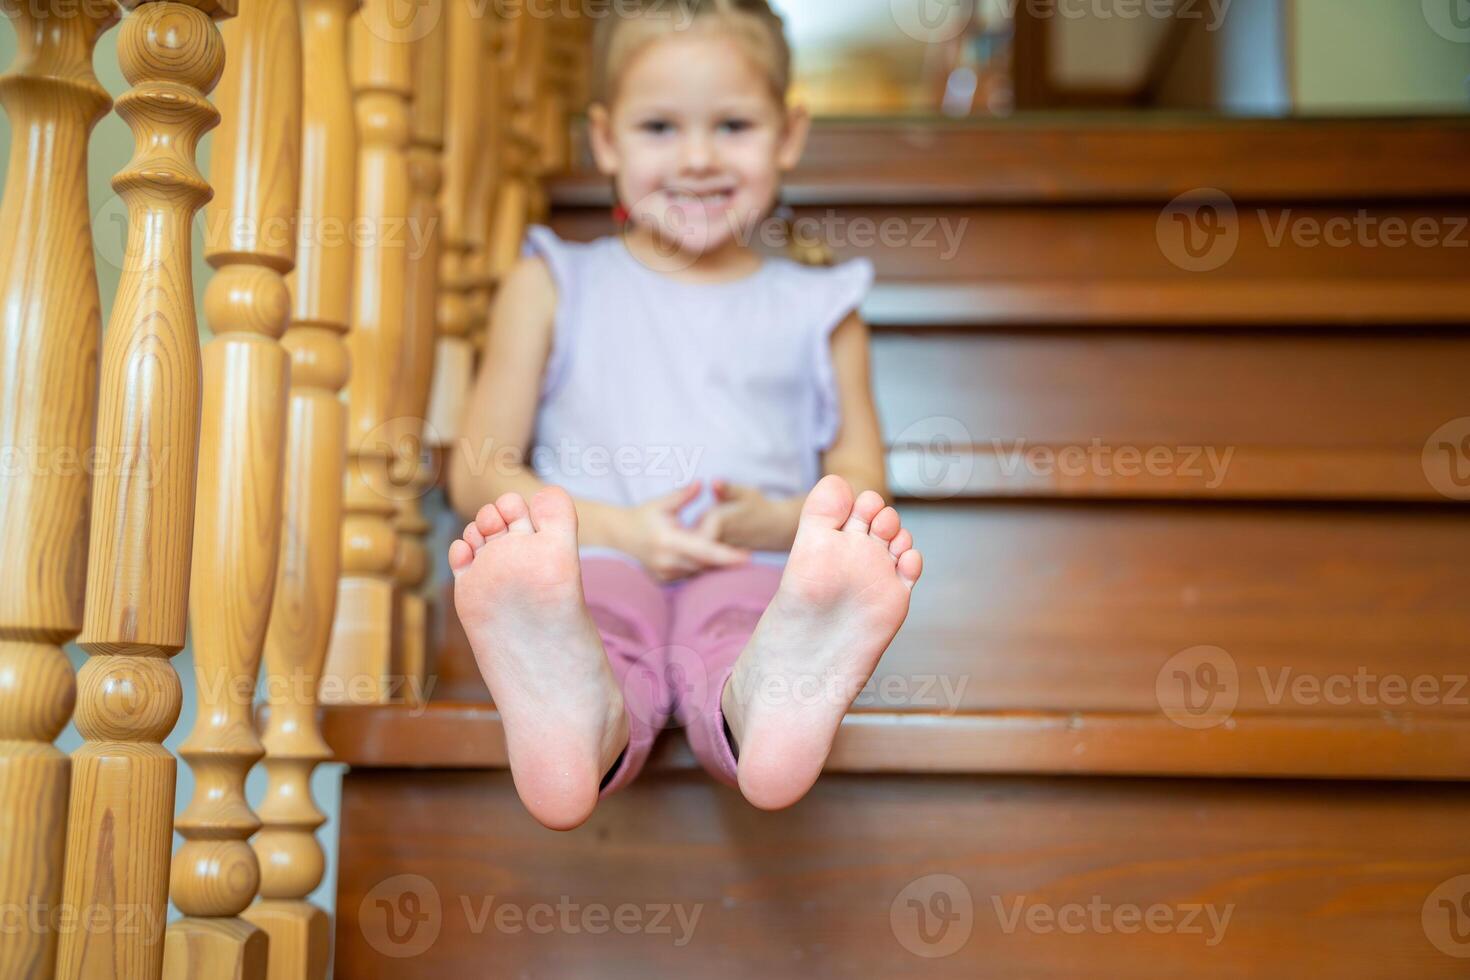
868 504
829 503
517 515
885 525
910 567
552 511
902 541
489 522
473 537
461 557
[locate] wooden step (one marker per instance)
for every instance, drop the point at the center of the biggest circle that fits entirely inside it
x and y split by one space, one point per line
1128 158
906 876
1083 606
453 735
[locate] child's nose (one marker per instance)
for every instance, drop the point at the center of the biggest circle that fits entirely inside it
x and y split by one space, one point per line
698 152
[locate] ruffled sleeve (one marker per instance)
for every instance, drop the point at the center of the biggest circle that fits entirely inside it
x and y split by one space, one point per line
541 242
844 288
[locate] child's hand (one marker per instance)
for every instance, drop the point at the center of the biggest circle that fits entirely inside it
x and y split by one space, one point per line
747 518
670 551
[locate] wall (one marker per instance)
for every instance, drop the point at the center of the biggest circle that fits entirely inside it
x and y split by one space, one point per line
1375 56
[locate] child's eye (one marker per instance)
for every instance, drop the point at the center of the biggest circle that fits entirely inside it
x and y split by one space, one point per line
736 125
656 127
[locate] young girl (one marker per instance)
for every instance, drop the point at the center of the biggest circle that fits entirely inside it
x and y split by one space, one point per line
688 393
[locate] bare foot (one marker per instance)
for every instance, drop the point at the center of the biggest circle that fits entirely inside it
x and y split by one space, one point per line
843 596
518 590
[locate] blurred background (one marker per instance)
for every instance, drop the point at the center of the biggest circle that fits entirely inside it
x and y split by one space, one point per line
995 58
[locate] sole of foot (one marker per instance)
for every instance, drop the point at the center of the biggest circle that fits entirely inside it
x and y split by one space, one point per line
843 596
518 592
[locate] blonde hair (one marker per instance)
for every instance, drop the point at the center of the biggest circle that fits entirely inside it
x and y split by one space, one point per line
752 23
638 23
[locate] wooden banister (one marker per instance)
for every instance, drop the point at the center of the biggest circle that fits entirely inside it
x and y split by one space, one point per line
415 473
120 818
359 658
252 245
50 325
470 66
291 859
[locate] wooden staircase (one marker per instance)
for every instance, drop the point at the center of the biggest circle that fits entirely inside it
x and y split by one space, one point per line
1184 689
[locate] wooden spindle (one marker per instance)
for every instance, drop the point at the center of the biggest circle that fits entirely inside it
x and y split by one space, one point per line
464 130
479 278
359 659
50 325
415 473
526 57
251 243
558 82
291 859
120 818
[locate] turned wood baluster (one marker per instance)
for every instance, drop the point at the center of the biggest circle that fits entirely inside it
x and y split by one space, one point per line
50 323
359 659
563 51
415 474
525 61
479 279
291 858
251 243
470 66
120 819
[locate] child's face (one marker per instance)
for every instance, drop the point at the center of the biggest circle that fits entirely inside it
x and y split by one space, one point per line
696 140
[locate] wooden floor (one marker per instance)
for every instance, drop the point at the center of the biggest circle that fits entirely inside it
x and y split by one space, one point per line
907 876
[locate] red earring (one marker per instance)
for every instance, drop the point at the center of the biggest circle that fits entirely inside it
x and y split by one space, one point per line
620 214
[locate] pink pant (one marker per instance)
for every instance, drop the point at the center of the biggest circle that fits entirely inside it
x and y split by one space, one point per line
672 648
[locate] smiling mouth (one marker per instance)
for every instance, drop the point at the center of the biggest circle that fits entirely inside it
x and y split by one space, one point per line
718 198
